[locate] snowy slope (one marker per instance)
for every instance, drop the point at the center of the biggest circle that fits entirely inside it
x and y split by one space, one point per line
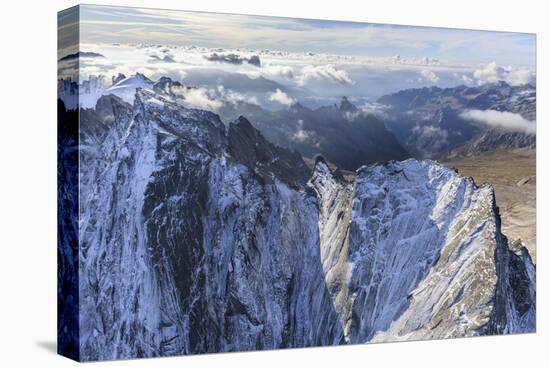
428 254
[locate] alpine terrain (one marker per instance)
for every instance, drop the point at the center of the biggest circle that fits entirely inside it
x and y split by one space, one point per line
197 236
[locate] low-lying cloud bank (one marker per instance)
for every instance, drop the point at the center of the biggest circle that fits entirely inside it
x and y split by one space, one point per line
429 75
499 119
492 73
281 97
324 72
234 59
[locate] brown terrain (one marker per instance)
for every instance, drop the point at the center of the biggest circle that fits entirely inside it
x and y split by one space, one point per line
513 175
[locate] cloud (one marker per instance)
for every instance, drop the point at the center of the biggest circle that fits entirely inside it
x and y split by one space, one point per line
197 98
230 96
429 75
498 119
234 59
281 97
241 31
492 73
211 99
279 70
376 109
301 135
467 80
324 72
368 109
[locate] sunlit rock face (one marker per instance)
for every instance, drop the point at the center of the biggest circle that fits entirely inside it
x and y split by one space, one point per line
199 238
429 258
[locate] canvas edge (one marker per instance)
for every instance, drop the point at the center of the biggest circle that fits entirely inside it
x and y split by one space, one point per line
68 315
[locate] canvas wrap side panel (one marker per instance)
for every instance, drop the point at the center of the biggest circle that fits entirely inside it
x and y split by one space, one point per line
67 184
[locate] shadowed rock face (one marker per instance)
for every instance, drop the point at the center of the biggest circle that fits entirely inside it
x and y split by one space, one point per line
68 312
341 133
249 147
193 240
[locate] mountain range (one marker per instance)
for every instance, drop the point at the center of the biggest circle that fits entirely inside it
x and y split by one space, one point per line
429 122
420 123
200 236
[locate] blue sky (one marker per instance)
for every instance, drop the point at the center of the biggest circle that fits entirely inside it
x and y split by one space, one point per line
169 27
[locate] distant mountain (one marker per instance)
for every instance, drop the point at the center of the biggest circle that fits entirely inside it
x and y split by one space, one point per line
494 139
428 122
80 54
341 133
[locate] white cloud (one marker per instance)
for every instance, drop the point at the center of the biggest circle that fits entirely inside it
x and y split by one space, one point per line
281 97
230 96
492 73
504 120
301 135
324 72
467 80
279 70
198 98
374 108
429 75
369 108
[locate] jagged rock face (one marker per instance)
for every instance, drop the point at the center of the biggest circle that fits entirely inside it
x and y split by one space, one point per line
249 147
194 240
341 133
335 195
186 251
430 237
437 254
420 255
265 280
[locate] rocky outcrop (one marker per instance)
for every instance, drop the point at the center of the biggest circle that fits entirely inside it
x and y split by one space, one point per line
249 147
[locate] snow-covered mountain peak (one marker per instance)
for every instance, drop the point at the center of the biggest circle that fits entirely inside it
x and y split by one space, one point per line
135 80
126 88
174 121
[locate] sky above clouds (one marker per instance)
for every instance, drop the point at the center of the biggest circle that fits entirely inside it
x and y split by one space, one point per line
280 60
102 24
